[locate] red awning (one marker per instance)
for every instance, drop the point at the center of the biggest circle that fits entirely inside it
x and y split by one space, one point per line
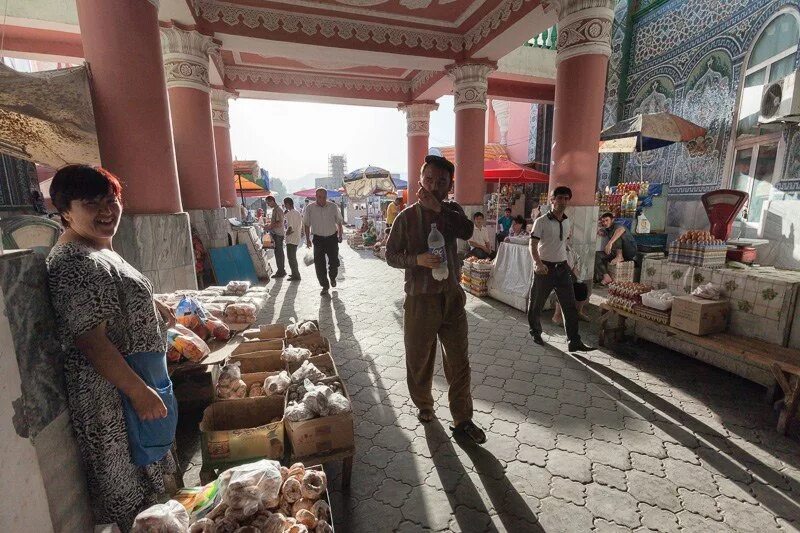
510 172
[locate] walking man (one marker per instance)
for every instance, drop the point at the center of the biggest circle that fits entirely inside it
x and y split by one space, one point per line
275 228
323 220
294 230
548 249
434 310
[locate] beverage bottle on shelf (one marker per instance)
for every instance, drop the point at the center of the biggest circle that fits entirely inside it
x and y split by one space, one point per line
437 248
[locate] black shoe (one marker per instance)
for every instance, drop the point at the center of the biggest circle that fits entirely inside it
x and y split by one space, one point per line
324 292
469 429
279 275
537 338
333 282
293 278
578 346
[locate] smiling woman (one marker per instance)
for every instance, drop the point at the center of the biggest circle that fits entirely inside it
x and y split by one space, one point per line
121 403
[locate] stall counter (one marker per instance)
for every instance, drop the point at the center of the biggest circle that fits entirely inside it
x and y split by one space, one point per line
512 275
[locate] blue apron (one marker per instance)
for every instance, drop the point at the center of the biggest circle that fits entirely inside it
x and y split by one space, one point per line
150 440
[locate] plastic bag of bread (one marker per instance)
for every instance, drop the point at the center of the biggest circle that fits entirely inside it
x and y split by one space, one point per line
301 328
170 517
241 313
297 412
236 288
338 404
184 342
248 487
256 390
230 383
307 371
316 397
294 355
218 329
276 385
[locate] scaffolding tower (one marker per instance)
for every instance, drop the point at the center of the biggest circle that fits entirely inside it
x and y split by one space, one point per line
337 168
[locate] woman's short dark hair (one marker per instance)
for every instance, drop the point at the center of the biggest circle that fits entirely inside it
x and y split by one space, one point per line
288 202
519 219
81 182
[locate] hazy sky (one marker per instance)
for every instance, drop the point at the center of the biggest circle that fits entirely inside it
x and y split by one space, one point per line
291 139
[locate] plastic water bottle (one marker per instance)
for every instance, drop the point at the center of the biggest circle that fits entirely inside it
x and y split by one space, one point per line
437 248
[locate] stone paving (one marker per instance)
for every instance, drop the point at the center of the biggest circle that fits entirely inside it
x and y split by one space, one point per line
644 440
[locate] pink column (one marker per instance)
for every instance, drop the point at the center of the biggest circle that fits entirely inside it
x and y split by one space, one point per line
222 144
186 66
580 86
133 128
418 127
469 92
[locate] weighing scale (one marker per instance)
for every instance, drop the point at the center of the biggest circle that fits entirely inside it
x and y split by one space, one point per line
721 207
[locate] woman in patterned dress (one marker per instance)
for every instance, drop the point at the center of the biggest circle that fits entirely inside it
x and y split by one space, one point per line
105 311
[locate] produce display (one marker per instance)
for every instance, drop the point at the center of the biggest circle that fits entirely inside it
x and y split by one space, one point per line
698 248
698 237
183 344
623 199
236 288
194 316
307 400
230 384
626 294
301 328
316 344
475 276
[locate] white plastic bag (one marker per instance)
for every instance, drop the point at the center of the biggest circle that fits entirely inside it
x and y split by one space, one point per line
248 487
308 259
709 291
297 412
292 354
170 517
307 371
275 385
230 383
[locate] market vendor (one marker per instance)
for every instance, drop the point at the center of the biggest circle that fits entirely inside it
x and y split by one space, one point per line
504 225
393 209
621 246
120 397
519 227
479 245
364 225
370 236
434 309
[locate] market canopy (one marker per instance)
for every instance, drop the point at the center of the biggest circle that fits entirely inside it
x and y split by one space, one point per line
648 132
312 193
510 172
46 117
491 151
368 181
247 188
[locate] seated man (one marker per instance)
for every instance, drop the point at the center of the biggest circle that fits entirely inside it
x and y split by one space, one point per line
621 246
479 242
364 225
504 225
519 227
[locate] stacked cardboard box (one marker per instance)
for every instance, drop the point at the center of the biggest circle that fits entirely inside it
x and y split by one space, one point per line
698 254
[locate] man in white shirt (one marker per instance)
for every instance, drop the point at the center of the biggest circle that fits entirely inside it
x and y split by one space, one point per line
323 220
548 249
479 242
294 230
275 228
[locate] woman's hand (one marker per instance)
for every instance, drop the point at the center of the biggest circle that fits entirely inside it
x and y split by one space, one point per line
166 313
148 404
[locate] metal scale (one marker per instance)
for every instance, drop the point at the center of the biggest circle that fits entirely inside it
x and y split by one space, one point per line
722 206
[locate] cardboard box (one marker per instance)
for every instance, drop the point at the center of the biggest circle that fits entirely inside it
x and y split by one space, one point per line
309 341
321 435
266 332
258 345
698 316
623 271
242 429
324 362
266 361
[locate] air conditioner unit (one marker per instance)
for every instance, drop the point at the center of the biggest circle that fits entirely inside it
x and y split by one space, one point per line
780 101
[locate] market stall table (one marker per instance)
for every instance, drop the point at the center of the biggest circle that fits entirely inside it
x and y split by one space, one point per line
512 275
783 363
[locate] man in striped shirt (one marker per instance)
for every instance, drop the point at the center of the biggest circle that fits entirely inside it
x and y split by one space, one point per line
434 310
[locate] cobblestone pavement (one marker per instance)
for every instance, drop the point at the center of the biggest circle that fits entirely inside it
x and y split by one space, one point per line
646 440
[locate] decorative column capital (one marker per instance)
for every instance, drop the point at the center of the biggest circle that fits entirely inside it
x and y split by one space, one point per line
219 106
470 83
418 117
584 27
186 57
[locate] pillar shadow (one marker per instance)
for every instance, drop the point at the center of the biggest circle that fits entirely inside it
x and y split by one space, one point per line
655 409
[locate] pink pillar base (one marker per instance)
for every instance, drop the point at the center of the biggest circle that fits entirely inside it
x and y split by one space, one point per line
470 185
194 147
417 150
222 146
577 122
133 128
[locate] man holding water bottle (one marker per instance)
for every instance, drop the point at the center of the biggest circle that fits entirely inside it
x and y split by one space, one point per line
423 243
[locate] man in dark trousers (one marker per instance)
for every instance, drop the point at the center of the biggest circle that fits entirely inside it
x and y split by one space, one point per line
434 310
323 220
548 249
